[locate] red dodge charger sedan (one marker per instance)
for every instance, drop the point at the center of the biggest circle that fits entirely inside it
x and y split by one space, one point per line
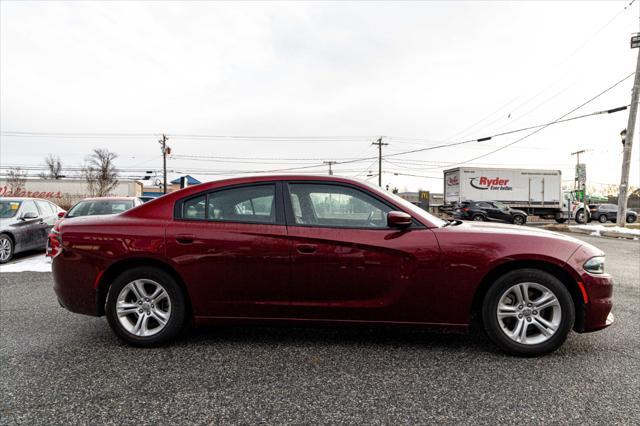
324 250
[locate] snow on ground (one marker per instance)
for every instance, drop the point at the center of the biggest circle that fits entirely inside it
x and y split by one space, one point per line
37 263
597 229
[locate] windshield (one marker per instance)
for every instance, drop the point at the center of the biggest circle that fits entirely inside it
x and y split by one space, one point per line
99 207
9 208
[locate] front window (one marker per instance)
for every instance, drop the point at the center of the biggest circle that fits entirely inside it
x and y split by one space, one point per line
99 207
500 205
9 208
336 206
30 207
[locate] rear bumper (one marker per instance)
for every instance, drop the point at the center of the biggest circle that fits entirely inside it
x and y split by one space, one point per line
74 285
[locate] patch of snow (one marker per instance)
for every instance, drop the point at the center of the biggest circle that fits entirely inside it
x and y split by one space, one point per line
597 229
39 263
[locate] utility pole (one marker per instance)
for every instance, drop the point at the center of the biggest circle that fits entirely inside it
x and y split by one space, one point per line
627 139
165 150
330 163
577 183
380 144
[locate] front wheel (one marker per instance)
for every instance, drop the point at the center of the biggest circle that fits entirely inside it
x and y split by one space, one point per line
603 218
581 216
145 307
6 248
528 312
478 218
519 220
631 218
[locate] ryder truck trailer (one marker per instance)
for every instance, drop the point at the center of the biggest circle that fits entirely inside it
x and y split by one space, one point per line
539 192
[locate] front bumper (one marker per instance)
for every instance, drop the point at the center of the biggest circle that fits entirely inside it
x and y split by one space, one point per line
597 292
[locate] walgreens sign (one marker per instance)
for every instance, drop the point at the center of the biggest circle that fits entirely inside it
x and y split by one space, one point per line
491 184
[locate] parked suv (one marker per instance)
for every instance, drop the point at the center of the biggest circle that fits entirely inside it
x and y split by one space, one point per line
489 210
609 212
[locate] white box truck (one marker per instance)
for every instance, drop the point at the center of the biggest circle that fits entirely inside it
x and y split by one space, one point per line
538 192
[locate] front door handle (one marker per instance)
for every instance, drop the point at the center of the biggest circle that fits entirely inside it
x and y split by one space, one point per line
306 248
185 238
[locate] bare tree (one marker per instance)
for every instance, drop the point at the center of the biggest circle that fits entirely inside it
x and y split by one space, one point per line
16 179
100 172
54 167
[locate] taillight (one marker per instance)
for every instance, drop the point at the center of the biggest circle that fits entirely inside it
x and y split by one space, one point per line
465 209
54 243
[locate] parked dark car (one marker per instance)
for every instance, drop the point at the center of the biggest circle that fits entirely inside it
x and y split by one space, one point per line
324 250
489 210
609 212
24 225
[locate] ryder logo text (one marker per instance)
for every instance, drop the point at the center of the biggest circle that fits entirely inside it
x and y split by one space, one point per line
493 184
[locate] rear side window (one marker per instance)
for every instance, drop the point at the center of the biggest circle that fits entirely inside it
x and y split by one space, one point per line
45 208
195 208
250 204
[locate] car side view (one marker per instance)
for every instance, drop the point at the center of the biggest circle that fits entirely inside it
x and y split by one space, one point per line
24 225
604 213
489 210
324 250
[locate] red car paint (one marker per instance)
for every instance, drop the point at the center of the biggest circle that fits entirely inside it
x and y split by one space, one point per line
426 275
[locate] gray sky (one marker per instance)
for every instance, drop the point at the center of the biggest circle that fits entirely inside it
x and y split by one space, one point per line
406 71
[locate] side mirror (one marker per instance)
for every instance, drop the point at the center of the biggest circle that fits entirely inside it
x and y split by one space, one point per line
61 214
398 219
29 216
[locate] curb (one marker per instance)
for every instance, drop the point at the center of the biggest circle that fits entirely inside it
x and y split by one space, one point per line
608 234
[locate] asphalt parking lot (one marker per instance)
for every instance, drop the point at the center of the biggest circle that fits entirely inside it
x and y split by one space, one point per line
58 367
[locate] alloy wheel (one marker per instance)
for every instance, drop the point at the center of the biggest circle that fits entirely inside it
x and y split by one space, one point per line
5 249
529 313
518 220
143 307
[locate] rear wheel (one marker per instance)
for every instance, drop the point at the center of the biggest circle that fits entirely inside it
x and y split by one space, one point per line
6 248
528 312
561 220
631 218
603 218
145 307
478 217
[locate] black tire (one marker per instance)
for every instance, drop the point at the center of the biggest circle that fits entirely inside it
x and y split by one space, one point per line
581 217
631 218
176 319
478 218
490 318
561 220
603 218
7 242
519 220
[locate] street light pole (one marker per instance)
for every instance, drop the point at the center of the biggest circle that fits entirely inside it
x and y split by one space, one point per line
627 140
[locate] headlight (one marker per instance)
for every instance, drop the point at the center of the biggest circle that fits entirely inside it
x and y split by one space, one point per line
595 265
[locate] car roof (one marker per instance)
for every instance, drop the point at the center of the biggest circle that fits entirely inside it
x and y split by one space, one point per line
23 199
108 199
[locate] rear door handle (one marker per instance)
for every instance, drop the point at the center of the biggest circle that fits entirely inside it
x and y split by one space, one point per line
185 238
306 248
